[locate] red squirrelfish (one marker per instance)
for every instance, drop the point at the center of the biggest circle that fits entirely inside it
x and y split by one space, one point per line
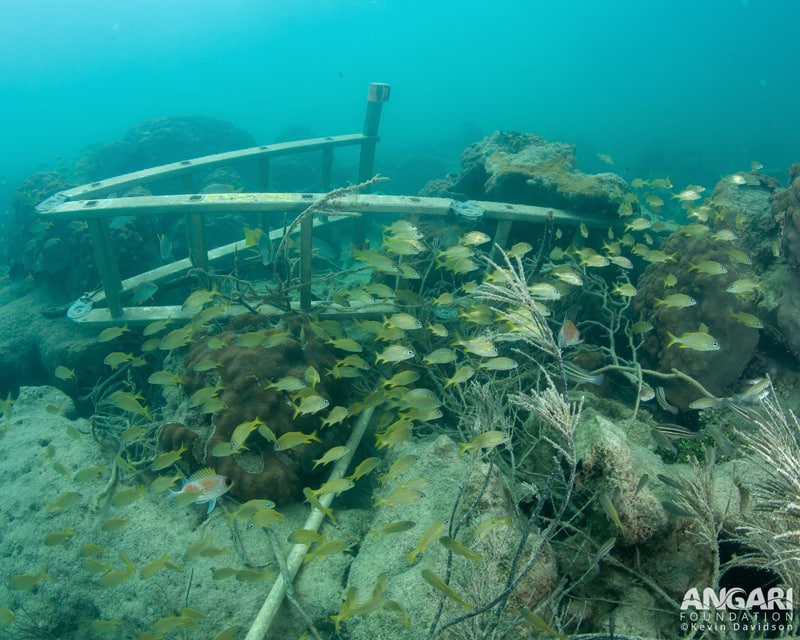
207 485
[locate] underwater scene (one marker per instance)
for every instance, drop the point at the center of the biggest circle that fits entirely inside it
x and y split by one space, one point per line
348 382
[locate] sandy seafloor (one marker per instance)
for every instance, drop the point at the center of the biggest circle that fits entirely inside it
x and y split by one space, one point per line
66 603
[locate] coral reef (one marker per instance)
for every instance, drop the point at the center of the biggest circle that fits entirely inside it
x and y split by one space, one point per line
523 168
160 141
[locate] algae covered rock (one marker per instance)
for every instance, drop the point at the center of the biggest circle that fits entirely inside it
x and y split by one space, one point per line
786 208
522 168
386 557
714 309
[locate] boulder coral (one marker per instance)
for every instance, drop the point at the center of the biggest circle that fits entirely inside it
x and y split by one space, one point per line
714 308
242 372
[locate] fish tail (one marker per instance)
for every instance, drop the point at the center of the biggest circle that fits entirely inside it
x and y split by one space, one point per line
672 339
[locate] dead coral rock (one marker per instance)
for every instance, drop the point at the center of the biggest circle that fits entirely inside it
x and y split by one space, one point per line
523 168
786 209
715 370
243 373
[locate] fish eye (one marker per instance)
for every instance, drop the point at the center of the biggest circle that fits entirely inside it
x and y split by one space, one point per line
251 525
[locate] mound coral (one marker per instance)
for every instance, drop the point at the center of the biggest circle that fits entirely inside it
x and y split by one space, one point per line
242 372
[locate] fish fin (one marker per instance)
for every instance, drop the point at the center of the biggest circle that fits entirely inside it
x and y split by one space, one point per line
211 504
205 472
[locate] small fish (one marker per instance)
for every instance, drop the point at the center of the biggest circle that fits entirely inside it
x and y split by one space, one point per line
294 439
580 375
165 378
477 346
334 416
638 224
671 507
611 512
165 247
604 157
724 235
125 497
545 291
670 280
485 440
485 527
395 353
519 250
112 333
346 344
62 373
288 384
7 616
404 321
89 473
687 195
143 291
474 238
331 455
130 403
451 544
461 375
398 526
568 335
206 365
315 503
401 496
204 486
243 431
624 289
153 567
310 404
709 267
328 548
440 356
115 524
538 623
440 585
694 340
63 501
105 626
401 379
365 467
335 487
305 536
432 533
676 301
55 538
656 256
168 459
743 285
747 319
24 581
500 363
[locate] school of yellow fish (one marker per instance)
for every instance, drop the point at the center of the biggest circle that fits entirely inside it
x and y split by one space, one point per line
445 334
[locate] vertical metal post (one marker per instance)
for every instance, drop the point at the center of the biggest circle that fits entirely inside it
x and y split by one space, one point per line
107 265
327 168
377 95
306 247
263 185
195 231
